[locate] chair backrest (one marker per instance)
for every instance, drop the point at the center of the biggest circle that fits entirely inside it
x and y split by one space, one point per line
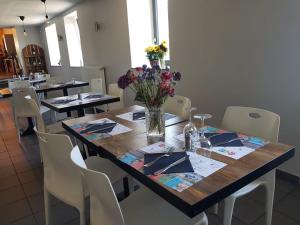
12 84
58 166
41 127
104 206
178 105
114 90
96 85
252 121
20 105
47 77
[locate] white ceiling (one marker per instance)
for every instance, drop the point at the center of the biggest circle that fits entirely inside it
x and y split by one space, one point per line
33 10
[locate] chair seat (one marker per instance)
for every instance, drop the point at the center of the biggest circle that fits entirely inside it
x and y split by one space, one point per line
247 189
68 191
145 207
55 128
61 189
44 109
252 186
105 166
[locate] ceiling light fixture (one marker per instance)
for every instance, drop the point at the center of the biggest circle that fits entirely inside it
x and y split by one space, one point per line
45 7
24 31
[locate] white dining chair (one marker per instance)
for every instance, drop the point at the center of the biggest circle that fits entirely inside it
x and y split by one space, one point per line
178 105
96 85
62 178
114 90
12 84
141 207
253 122
21 108
54 128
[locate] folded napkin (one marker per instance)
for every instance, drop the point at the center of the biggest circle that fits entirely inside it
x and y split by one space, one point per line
63 101
98 128
139 115
224 140
94 96
183 167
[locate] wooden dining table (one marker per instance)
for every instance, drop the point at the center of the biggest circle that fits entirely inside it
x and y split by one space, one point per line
76 104
201 195
61 86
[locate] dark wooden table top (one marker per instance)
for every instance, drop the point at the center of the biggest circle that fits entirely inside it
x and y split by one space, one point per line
206 192
78 104
55 87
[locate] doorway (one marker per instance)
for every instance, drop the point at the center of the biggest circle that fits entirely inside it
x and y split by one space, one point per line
9 63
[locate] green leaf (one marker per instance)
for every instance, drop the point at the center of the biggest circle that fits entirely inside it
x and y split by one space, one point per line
139 97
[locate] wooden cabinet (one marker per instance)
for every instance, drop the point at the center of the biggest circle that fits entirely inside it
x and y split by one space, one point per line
34 59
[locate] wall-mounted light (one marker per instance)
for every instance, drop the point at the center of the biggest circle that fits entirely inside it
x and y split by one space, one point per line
45 8
22 18
97 27
60 37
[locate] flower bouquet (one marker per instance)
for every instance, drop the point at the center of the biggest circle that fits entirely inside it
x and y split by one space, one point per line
156 53
152 87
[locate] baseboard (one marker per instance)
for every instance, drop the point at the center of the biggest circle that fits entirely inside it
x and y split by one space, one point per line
287 176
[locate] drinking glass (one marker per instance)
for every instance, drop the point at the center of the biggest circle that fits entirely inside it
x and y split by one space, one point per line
204 142
73 80
191 135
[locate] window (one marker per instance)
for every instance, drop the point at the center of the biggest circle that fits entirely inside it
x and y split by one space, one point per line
53 47
73 39
148 23
163 24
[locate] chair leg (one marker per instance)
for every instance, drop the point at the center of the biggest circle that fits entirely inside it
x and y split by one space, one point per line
82 216
228 210
47 207
130 184
270 189
215 209
203 220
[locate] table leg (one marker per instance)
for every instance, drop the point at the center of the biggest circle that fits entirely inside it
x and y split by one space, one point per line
80 112
126 187
65 92
29 130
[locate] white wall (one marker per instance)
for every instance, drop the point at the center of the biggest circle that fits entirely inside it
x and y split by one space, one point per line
33 37
235 52
109 47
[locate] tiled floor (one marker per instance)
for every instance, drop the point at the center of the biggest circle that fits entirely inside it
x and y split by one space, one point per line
21 188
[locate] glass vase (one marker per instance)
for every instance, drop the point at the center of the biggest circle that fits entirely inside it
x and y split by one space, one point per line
162 63
154 62
155 122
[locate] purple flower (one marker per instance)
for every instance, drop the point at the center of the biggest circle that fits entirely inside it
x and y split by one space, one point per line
123 81
144 67
177 76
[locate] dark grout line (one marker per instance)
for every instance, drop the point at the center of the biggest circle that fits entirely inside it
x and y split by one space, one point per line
26 197
285 215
